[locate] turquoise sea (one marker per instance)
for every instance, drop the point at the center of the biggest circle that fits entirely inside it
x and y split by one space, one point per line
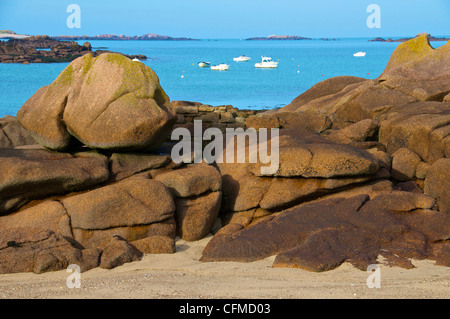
301 65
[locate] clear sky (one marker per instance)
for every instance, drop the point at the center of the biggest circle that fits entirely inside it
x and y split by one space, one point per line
228 18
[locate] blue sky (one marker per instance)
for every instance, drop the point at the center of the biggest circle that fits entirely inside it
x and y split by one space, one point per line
228 18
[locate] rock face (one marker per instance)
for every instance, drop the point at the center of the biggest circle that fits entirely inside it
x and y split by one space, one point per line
437 183
322 235
39 250
133 209
423 127
415 68
197 191
12 134
32 174
118 252
108 102
29 50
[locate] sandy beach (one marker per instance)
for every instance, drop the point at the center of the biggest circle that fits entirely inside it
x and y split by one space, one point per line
181 275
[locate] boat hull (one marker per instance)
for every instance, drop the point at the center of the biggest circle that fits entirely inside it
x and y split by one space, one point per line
222 67
266 65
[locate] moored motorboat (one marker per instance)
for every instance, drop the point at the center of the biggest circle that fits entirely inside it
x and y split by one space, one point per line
242 58
220 67
204 64
266 62
359 54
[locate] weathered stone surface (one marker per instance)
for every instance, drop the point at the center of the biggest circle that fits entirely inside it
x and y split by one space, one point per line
244 218
196 216
107 102
303 153
91 238
241 190
193 180
131 202
40 250
155 245
227 117
417 69
124 165
404 164
356 102
320 236
12 134
422 127
358 132
118 252
30 174
126 208
45 215
287 192
322 89
437 184
266 121
312 120
422 169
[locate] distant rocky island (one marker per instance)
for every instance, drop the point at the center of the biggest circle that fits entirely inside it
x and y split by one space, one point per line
286 37
278 37
44 49
148 36
430 38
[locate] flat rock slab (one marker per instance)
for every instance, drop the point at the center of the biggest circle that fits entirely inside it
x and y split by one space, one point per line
303 153
31 174
322 235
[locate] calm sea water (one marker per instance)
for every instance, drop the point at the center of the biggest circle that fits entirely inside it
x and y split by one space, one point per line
301 65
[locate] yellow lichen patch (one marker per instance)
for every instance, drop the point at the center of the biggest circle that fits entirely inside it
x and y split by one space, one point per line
410 51
66 77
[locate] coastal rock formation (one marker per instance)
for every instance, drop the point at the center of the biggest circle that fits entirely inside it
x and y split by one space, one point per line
322 235
40 250
147 36
12 134
197 193
44 49
362 171
31 174
134 208
108 102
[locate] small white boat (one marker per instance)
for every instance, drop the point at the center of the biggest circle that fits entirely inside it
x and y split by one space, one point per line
266 62
359 54
136 60
242 58
220 67
204 64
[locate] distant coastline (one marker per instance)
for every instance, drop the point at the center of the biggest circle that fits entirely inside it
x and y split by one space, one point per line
286 37
8 34
148 37
430 38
